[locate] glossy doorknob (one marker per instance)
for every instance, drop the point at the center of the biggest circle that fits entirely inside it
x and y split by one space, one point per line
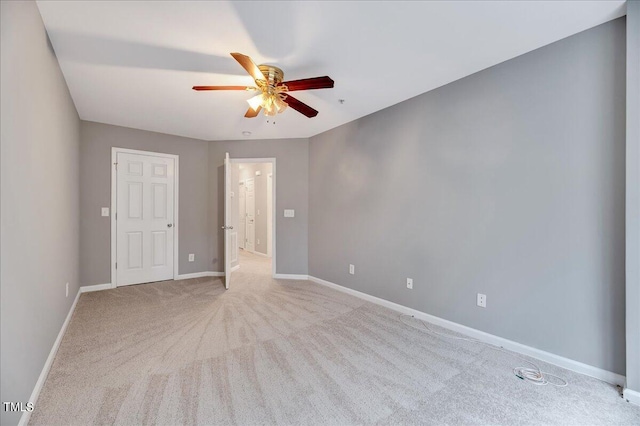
169 225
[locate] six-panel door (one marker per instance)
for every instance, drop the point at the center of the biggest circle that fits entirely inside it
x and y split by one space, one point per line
144 221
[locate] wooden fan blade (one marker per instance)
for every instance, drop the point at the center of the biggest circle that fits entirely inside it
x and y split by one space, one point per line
301 107
248 65
251 113
220 88
308 83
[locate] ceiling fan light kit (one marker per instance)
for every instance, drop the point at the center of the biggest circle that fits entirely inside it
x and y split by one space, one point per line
273 97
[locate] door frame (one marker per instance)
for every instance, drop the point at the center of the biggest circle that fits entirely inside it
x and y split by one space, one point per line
270 213
114 205
271 160
241 194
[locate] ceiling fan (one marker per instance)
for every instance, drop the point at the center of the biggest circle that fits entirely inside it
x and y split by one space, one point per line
274 94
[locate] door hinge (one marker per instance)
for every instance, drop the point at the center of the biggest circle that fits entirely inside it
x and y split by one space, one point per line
116 215
116 164
116 265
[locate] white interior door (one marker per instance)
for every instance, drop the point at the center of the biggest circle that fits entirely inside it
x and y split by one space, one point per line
269 213
242 216
227 228
144 212
250 203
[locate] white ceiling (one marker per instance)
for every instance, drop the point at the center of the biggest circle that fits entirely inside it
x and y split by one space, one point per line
133 63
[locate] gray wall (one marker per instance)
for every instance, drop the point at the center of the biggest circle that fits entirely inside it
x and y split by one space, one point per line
201 210
95 192
260 188
39 214
509 182
633 196
291 186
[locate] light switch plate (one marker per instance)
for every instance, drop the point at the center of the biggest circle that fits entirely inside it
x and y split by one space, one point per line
289 213
105 211
192 257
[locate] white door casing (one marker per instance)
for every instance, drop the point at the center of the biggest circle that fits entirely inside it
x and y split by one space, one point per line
269 213
250 199
144 216
233 222
226 227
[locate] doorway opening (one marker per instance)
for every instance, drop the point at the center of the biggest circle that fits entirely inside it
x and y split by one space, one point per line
252 215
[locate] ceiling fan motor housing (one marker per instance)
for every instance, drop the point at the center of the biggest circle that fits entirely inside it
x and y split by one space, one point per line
273 75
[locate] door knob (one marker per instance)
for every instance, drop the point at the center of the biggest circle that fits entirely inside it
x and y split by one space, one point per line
226 227
169 225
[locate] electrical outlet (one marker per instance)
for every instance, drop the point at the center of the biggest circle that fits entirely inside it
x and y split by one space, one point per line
482 300
192 257
352 269
66 290
410 283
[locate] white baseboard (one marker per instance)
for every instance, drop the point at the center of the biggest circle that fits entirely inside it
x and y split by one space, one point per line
558 360
632 396
24 420
235 268
99 287
199 275
96 287
259 254
291 277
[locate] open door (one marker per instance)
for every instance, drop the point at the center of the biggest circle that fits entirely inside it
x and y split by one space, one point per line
227 221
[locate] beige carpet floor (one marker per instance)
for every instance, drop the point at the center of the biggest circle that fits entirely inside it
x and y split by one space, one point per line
293 353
